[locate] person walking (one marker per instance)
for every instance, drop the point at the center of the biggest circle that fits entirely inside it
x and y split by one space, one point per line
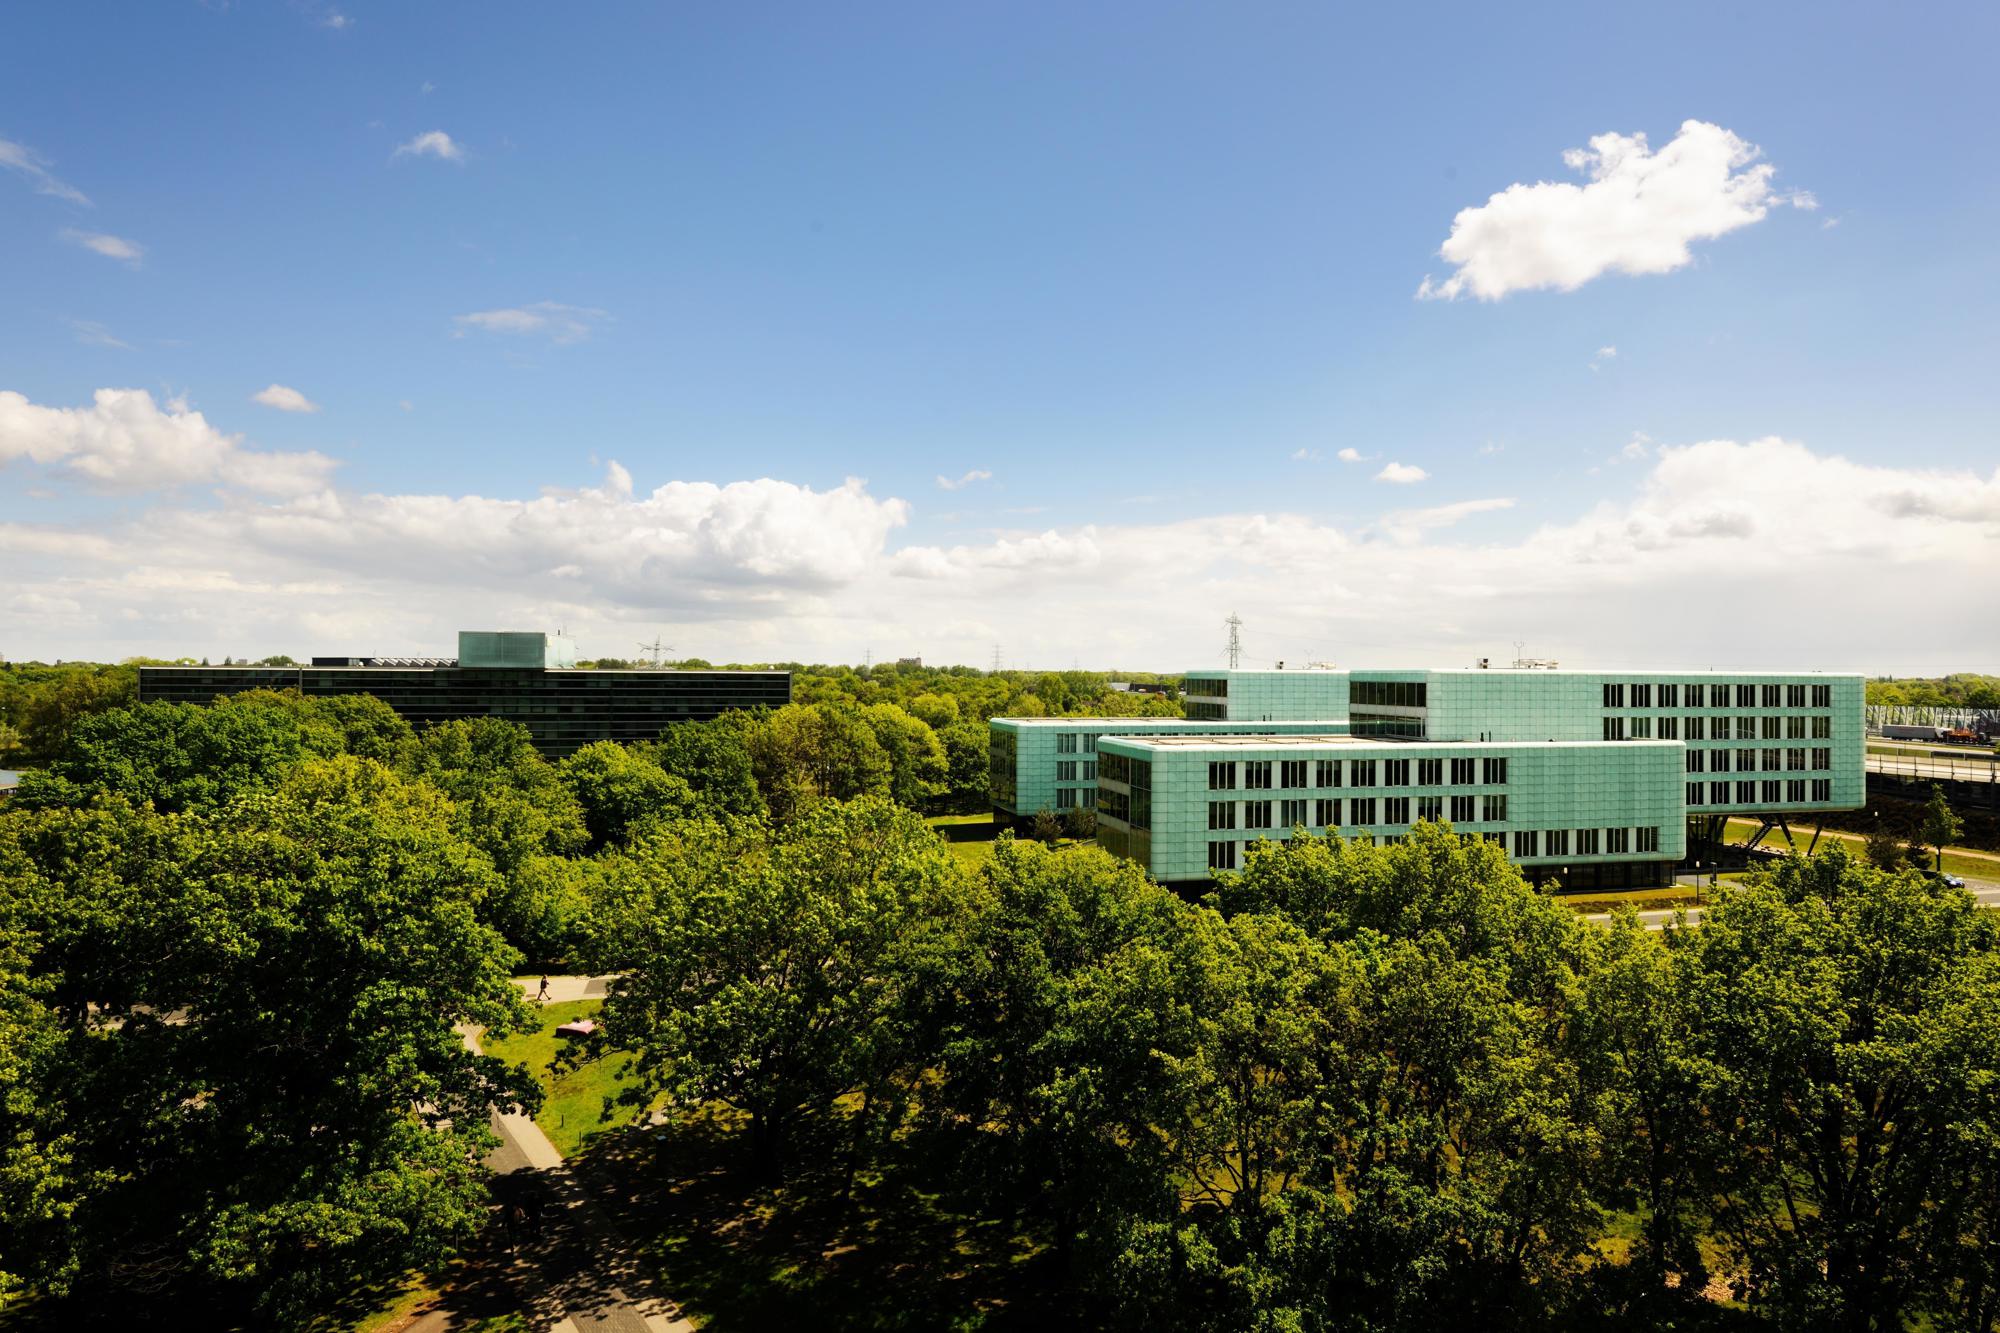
542 995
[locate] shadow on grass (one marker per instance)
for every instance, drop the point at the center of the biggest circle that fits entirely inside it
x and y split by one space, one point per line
741 1254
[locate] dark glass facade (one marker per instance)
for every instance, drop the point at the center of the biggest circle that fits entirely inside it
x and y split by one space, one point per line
562 710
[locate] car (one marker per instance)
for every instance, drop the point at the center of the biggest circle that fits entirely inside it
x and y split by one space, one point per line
1956 881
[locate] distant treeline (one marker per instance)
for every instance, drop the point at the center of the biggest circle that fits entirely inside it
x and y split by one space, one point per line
1960 690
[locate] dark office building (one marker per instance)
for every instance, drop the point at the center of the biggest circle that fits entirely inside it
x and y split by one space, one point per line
563 709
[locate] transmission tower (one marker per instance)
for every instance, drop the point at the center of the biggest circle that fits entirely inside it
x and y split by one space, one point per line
1235 623
656 650
996 659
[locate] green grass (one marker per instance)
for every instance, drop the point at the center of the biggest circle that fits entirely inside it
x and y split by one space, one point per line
581 1103
1955 862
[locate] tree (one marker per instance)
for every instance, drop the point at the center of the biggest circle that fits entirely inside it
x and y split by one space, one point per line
916 759
1941 825
714 759
1853 1017
263 1092
803 753
618 787
1883 849
761 981
967 749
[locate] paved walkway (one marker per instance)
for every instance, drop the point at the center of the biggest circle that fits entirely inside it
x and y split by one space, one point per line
576 1273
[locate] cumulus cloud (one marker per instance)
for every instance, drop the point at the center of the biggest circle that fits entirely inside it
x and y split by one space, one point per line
284 398
550 319
1638 214
977 474
111 247
18 157
432 143
124 441
1306 455
1402 474
1351 456
1601 355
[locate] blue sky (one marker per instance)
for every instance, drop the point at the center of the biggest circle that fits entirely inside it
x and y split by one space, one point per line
1151 268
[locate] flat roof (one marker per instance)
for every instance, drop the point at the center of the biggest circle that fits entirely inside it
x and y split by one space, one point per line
552 671
1648 674
1165 721
1265 742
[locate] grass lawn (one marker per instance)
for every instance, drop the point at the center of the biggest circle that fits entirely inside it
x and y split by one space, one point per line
1971 865
581 1104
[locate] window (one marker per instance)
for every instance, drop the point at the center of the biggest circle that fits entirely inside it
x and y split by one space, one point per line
1430 772
1089 772
1090 744
1293 773
1718 793
1586 842
1493 772
1361 772
1065 798
1670 728
1089 795
1617 841
1387 693
1614 695
1497 839
1395 772
1795 696
1746 728
1461 809
1696 761
1649 839
1718 696
1222 856
1066 770
1066 743
1213 689
1746 761
1694 793
1822 789
1326 814
1795 790
1114 805
1430 809
1222 814
1746 793
1326 773
1718 761
1362 811
1773 693
1670 695
1461 772
1221 776
1642 728
1257 774
1614 728
1822 757
1396 810
1822 728
1557 842
1774 728
1694 728
1795 728
1822 696
1293 814
1495 809
1746 696
1774 760
1524 842
1771 792
1795 758
1642 696
1256 814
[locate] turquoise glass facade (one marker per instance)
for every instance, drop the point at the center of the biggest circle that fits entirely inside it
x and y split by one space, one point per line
1265 696
1586 813
1050 763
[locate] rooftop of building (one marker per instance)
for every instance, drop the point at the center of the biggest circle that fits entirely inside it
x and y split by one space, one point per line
1322 741
1145 723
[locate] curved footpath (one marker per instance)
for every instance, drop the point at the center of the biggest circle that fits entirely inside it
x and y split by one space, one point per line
576 1272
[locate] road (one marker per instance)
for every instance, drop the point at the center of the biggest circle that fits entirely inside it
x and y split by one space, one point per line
1986 891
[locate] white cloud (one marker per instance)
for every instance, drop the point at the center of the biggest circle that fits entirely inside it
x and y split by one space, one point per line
1402 474
284 398
1601 355
1410 525
111 247
551 319
19 157
1489 448
124 441
92 334
977 474
1351 456
1306 455
336 20
1638 214
429 88
432 143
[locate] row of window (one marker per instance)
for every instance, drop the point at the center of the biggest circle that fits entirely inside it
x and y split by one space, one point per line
1134 773
1797 758
1327 811
1746 728
1223 853
1387 693
1214 689
1066 771
1669 693
1068 742
1774 791
1263 774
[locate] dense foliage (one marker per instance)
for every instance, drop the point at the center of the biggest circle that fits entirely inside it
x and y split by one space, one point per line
1964 689
1357 1087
